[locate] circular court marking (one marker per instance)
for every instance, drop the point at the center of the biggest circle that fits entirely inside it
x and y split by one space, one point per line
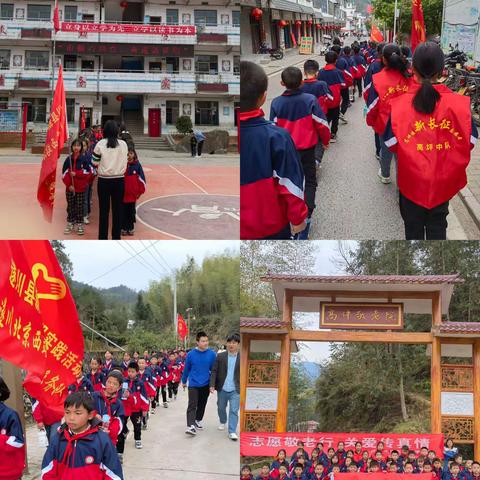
193 216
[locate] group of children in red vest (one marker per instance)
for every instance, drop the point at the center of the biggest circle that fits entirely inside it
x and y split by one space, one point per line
79 173
87 440
323 464
425 124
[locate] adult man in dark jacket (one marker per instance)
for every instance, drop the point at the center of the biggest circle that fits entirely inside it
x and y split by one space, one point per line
225 379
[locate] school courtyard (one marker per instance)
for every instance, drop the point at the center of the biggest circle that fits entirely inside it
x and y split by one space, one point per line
168 453
186 198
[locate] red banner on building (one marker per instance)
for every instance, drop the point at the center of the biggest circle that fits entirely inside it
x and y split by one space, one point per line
57 134
182 328
268 444
418 24
382 476
39 326
142 29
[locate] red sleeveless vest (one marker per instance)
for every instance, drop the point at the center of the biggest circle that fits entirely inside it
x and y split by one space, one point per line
433 150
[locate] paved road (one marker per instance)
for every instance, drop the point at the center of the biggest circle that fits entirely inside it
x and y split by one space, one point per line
168 453
351 201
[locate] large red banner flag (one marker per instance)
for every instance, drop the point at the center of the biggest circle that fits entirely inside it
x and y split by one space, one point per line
182 328
382 476
56 18
266 444
39 326
375 34
57 134
418 24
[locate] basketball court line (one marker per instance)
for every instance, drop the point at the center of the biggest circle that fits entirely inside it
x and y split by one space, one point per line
189 179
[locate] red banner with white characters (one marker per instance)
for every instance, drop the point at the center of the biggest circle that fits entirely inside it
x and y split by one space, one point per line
268 444
382 476
142 29
39 326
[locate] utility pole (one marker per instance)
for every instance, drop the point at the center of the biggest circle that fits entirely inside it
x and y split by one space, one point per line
395 12
187 337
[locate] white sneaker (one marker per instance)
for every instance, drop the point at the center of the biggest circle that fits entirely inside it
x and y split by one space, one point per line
86 221
198 424
138 444
191 430
383 179
233 436
343 119
221 427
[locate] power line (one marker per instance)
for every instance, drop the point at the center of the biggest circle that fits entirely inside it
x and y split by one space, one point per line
161 256
137 256
156 259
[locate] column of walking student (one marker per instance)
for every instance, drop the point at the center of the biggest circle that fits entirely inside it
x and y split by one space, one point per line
414 116
110 155
321 464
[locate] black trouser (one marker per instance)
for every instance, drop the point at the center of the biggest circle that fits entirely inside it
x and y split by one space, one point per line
75 207
197 401
345 100
307 158
110 190
423 223
172 389
128 216
136 419
199 147
193 147
284 234
164 393
155 399
377 144
332 117
357 83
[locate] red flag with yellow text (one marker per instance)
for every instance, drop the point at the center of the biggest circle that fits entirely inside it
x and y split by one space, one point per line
39 326
83 122
182 328
375 34
57 134
418 24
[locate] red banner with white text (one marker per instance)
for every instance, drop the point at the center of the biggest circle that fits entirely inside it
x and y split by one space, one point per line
382 476
268 444
39 326
142 29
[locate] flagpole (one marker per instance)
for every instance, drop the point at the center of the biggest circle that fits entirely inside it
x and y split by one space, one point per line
394 21
53 63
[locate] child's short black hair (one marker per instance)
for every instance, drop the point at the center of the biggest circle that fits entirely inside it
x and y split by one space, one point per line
80 399
246 467
298 465
200 335
133 365
311 66
331 56
292 77
474 463
116 375
356 49
4 390
347 50
336 49
373 463
253 84
394 451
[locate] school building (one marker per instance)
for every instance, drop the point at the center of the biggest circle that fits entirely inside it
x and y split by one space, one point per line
141 62
282 23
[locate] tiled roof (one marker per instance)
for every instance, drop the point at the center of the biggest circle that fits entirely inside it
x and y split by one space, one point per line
468 328
261 322
385 279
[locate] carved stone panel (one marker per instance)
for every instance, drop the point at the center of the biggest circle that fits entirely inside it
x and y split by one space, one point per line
457 403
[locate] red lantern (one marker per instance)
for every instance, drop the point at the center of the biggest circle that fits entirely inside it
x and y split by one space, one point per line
257 13
119 98
124 4
298 23
310 22
318 26
282 23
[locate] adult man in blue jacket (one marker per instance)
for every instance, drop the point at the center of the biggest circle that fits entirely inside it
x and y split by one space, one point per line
198 368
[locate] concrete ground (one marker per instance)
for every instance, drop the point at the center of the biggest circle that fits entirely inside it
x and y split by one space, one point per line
351 203
186 198
168 453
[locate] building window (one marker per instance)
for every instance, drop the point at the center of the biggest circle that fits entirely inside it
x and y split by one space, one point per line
173 107
236 64
88 17
35 59
6 11
4 59
206 113
70 110
173 64
205 18
70 62
88 65
154 66
38 12
236 18
155 20
70 13
37 109
172 16
206 64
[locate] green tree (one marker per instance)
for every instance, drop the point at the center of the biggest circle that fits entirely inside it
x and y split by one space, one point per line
63 258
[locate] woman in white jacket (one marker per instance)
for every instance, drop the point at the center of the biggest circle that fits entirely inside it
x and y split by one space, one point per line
110 157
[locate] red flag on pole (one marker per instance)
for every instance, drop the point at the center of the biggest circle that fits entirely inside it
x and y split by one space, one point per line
57 134
375 34
182 328
83 122
56 18
418 24
39 326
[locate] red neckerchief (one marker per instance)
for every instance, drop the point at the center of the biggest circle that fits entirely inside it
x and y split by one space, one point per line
108 402
251 114
329 66
73 438
310 80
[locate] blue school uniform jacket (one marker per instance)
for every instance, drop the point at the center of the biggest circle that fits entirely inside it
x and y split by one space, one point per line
12 444
271 178
301 115
84 386
372 69
89 455
320 90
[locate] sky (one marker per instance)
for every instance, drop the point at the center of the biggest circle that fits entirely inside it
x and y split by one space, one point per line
92 259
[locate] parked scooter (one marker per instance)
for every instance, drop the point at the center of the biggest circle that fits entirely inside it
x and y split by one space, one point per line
275 53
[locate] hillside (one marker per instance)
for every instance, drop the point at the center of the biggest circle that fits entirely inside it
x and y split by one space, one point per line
113 295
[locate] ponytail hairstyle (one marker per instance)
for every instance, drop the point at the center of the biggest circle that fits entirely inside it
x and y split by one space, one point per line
394 59
428 62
